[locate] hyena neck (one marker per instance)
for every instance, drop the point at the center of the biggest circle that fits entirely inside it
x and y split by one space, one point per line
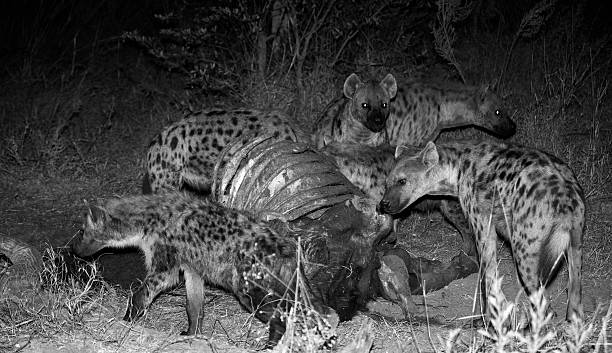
449 164
455 112
132 238
354 131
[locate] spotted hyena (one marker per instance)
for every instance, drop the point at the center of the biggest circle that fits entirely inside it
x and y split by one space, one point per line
359 116
184 153
367 168
204 242
418 113
422 109
529 197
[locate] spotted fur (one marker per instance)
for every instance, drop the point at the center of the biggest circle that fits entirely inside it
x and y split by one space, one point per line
206 243
367 168
184 153
529 197
359 116
423 109
419 112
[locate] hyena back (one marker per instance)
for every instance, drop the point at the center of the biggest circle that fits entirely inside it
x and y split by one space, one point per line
422 110
204 241
529 197
185 152
359 116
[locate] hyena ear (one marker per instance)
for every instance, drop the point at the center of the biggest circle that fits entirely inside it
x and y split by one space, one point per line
95 214
429 155
484 91
399 149
389 85
350 85
411 150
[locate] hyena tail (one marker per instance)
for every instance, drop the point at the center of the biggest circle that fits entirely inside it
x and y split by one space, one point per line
552 250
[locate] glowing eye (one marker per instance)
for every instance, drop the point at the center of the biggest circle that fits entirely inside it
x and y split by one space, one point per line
401 181
384 105
365 105
497 112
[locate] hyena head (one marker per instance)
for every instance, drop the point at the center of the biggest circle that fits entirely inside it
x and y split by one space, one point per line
417 172
490 115
101 229
370 100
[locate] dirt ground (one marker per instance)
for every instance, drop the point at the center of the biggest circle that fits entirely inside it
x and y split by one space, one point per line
39 210
40 206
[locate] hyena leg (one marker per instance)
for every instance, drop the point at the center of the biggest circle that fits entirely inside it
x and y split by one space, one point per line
263 305
574 260
487 251
451 210
394 278
194 286
152 285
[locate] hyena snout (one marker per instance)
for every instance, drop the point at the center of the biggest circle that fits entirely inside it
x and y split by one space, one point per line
384 206
376 120
391 202
503 125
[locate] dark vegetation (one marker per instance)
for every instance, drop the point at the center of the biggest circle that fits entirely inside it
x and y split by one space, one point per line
86 84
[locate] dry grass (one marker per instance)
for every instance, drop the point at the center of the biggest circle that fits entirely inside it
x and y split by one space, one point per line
47 301
72 305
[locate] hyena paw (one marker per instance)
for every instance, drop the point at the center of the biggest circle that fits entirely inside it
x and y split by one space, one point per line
189 332
135 310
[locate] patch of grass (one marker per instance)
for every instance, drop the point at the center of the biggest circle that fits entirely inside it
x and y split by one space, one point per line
49 301
542 335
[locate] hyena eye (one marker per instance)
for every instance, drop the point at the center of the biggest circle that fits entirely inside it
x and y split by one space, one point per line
401 181
365 105
383 105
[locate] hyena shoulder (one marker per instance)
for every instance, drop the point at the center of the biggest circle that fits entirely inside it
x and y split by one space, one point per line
365 166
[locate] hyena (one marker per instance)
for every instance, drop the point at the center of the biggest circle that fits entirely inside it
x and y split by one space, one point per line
184 153
529 197
417 114
422 110
204 242
367 168
359 116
